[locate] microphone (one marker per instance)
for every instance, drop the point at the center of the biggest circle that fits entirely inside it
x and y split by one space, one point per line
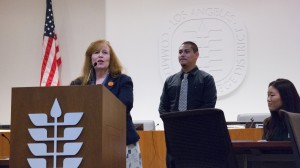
252 121
5 138
155 126
88 78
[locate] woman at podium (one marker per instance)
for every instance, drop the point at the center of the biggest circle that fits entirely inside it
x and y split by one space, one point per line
102 66
282 95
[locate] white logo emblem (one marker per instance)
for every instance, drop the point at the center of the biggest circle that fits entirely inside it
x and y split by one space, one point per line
222 43
40 134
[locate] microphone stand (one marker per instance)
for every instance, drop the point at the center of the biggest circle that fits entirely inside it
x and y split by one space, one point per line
88 78
252 121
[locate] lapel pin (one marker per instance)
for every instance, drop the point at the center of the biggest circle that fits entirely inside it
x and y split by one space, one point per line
110 83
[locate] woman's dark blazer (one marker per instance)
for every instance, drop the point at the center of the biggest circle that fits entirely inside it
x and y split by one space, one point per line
122 87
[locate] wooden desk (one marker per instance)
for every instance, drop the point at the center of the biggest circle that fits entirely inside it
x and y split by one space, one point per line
270 145
4 144
153 149
4 149
272 154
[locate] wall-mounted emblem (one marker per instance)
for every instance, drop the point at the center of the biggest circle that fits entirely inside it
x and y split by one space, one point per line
222 43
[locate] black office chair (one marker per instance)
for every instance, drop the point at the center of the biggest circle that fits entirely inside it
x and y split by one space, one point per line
292 121
198 139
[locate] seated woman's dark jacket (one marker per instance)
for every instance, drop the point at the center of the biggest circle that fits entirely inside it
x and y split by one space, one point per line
279 133
122 87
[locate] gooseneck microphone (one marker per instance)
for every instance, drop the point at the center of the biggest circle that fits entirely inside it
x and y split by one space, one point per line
5 138
154 128
252 121
95 64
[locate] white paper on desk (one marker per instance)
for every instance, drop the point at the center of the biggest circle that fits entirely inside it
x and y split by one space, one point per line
235 126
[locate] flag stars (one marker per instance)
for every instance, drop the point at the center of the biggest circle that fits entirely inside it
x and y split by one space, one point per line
49 23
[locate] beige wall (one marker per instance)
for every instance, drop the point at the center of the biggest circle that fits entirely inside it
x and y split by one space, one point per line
133 27
22 23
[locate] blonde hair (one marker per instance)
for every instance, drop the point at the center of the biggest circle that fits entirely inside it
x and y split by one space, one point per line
115 68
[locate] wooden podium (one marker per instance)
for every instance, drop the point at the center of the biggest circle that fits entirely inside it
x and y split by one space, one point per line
103 121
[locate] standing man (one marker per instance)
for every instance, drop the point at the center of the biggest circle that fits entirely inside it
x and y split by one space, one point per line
201 88
189 89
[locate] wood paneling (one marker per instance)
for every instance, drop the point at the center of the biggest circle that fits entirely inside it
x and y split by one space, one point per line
246 134
4 144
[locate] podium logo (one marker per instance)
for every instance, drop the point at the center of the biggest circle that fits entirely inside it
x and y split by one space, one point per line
40 135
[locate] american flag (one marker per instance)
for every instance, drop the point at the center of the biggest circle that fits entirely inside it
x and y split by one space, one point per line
51 60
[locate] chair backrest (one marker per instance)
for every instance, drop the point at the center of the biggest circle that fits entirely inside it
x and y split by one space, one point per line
292 121
199 138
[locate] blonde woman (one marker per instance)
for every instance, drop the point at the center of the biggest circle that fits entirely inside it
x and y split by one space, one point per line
102 66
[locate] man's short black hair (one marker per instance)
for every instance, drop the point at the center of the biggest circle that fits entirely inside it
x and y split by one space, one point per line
193 45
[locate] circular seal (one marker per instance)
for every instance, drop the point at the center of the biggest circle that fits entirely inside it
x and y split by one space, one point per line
222 43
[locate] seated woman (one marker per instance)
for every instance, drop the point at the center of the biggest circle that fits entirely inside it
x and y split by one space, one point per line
282 94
